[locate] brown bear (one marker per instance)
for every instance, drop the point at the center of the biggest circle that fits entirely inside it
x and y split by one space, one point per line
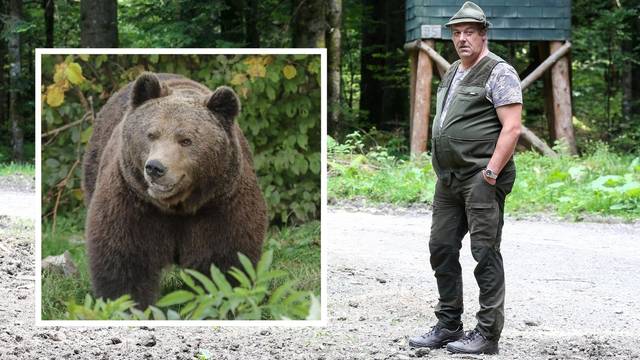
168 179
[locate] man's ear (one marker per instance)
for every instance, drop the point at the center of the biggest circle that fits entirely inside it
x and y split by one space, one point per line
224 103
146 87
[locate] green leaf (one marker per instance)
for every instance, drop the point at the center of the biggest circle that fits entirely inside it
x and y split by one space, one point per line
157 313
52 163
296 296
240 276
270 275
272 75
271 93
220 280
248 266
264 264
174 298
173 315
197 314
188 308
86 135
138 314
278 294
88 301
190 283
206 282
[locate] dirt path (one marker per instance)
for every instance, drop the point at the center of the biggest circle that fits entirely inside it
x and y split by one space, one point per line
17 196
17 204
572 293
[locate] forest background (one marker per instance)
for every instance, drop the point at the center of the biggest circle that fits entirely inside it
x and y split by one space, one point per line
368 68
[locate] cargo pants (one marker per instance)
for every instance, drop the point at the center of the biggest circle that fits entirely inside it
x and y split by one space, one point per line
475 206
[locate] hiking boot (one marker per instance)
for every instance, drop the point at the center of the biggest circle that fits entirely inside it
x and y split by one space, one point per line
473 343
437 337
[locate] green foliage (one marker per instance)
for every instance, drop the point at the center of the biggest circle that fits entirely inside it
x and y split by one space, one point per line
297 251
149 23
600 182
123 308
199 24
296 256
601 56
280 117
359 170
17 169
212 298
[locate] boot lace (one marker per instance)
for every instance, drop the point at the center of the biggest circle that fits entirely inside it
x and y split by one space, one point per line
471 336
433 330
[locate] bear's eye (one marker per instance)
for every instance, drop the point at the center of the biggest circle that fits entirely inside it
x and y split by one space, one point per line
152 136
185 142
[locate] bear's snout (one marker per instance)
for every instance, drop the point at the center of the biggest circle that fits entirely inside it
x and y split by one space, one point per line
155 169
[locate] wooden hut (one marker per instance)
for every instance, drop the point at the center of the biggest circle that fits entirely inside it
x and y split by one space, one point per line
545 21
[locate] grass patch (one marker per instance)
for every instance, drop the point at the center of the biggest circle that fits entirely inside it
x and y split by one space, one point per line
598 183
26 169
296 251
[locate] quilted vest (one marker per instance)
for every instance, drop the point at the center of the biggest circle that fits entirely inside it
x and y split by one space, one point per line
465 142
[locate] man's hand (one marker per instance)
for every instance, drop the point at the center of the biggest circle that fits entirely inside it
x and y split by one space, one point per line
488 179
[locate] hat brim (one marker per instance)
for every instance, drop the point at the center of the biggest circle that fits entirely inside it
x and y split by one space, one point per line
467 20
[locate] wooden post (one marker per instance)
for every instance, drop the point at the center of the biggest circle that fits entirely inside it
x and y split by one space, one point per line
413 67
547 63
422 102
547 92
562 99
530 138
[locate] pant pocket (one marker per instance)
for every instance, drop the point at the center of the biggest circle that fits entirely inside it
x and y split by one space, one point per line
483 218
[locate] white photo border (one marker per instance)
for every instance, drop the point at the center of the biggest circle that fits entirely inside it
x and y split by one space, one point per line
181 323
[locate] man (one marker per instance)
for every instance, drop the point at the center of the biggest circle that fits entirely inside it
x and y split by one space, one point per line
475 131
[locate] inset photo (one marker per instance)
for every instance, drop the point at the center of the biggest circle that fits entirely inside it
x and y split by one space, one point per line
180 185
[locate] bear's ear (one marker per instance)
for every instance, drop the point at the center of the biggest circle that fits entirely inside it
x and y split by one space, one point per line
225 103
146 87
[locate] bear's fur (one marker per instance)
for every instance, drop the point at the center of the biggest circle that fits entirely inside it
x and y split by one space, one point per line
168 179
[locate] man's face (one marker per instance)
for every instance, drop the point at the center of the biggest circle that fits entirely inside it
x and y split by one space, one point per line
468 39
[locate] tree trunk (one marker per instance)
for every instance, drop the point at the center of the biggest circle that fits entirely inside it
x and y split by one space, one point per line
422 102
333 49
99 23
251 24
17 137
373 40
547 91
561 85
383 90
231 25
309 23
48 7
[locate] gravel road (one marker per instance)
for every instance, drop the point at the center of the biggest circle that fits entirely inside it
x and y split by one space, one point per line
572 293
17 196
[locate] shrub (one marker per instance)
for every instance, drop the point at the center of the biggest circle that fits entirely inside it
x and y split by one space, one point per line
212 298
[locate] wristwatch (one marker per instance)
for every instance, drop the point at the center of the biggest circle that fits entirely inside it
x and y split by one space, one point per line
490 174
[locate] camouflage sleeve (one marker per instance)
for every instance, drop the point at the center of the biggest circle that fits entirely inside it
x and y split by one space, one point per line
503 86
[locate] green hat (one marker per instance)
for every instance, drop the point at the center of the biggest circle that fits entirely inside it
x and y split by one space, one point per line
469 12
